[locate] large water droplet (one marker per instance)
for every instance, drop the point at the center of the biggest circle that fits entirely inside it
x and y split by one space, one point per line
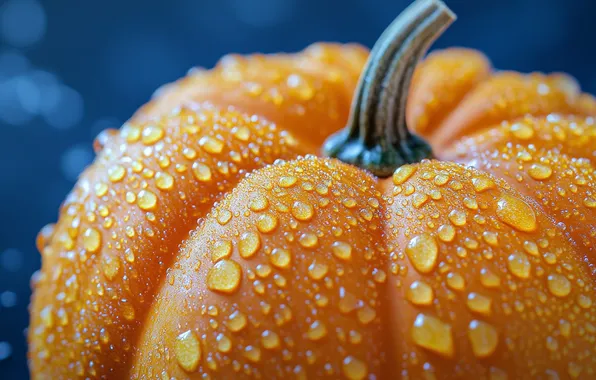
422 250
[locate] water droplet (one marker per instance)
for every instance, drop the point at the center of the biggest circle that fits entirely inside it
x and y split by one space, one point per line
420 293
559 285
482 184
446 233
241 133
164 181
221 250
354 369
455 281
152 134
433 334
483 338
249 244
270 340
224 216
111 267
224 344
281 258
422 250
519 265
366 314
267 223
302 211
317 330
584 301
516 213
146 200
116 173
258 203
317 270
540 172
211 145
188 351
489 279
91 240
287 181
402 174
224 276
201 172
457 217
342 250
479 303
522 131
252 353
236 321
308 240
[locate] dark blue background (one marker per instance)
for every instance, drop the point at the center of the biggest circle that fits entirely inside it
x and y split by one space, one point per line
70 68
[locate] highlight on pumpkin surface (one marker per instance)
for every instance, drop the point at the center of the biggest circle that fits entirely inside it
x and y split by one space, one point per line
208 239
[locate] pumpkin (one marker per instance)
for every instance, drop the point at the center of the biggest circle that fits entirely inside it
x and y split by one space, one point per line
232 229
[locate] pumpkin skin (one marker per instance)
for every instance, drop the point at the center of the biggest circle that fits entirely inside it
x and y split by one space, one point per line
209 239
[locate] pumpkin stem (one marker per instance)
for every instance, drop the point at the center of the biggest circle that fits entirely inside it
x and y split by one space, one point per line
376 137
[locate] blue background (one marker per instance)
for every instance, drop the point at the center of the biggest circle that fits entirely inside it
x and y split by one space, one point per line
69 69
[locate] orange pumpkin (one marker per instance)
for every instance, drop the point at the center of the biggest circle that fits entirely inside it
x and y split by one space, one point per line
208 240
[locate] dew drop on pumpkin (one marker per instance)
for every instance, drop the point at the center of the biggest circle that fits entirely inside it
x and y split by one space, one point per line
420 293
402 174
91 240
558 285
302 211
224 344
522 131
590 202
224 216
236 321
317 270
249 244
316 331
151 134
457 217
252 353
584 301
516 213
483 338
280 258
455 281
111 267
482 184
146 200
211 144
446 233
270 340
221 250
433 334
540 172
366 314
116 173
164 181
422 250
308 240
267 223
224 276
258 203
187 349
342 250
488 279
519 265
354 369
479 303
287 181
101 189
201 172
